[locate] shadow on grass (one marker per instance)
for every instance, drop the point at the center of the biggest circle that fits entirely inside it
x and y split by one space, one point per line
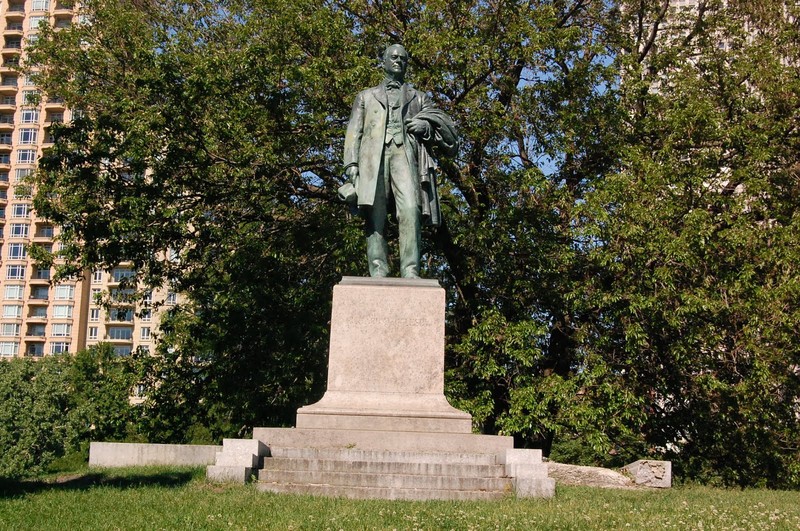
87 480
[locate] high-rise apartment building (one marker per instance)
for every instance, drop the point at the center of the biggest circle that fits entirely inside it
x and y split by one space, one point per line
38 317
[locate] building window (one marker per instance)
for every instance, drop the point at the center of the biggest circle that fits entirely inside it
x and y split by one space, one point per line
22 174
17 251
5 158
12 311
38 311
120 333
40 293
26 156
97 277
172 298
122 350
59 347
42 273
35 20
29 116
9 329
20 211
5 139
15 272
92 332
145 316
45 231
121 273
65 293
36 330
9 348
62 330
96 295
28 136
62 311
35 349
14 292
123 315
94 314
145 333
19 230
40 5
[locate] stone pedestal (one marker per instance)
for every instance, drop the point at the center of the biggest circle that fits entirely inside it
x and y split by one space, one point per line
386 361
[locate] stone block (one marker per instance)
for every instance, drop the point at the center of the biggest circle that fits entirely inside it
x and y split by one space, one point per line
525 487
514 456
386 360
108 454
528 470
649 473
228 474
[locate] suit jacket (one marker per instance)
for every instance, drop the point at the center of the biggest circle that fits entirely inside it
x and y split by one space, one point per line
366 132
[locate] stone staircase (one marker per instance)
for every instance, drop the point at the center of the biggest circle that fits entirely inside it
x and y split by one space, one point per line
478 470
391 475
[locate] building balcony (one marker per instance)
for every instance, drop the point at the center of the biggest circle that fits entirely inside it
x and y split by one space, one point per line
14 30
13 48
55 104
15 14
62 10
7 126
8 88
123 341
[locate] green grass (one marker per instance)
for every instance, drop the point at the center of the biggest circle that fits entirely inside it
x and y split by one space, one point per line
175 498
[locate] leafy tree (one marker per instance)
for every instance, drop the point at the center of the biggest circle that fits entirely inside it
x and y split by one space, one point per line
620 240
100 388
57 405
33 428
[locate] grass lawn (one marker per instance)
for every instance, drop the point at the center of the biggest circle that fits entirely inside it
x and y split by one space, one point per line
179 498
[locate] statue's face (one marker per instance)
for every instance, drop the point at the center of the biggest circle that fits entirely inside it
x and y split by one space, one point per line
395 61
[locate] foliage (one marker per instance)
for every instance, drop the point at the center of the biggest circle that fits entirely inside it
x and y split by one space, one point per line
55 406
620 242
33 399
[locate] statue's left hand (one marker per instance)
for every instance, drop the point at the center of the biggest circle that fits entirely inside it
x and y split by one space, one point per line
420 128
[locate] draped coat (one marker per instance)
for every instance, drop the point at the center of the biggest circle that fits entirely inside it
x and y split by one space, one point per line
364 142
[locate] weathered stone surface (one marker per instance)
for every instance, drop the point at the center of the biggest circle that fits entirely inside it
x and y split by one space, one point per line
589 476
228 474
386 360
108 454
404 441
534 487
237 461
649 473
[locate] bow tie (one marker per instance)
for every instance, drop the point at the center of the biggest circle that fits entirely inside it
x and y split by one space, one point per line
392 85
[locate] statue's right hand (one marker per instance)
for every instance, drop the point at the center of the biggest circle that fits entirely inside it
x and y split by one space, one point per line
352 173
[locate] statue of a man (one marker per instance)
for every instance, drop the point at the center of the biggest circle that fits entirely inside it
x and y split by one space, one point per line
387 154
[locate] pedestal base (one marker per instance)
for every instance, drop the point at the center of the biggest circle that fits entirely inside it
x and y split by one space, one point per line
386 362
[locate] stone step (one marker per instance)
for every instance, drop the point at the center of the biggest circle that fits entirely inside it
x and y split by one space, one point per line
385 467
399 441
392 481
386 456
384 493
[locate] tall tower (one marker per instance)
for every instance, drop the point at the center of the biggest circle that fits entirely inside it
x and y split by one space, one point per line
37 317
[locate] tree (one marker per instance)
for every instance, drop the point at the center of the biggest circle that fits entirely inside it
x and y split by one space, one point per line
33 428
619 241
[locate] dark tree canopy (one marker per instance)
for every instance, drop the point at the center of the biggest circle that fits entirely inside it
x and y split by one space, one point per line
620 240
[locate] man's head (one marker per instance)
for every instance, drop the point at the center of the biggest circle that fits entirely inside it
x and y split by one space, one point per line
395 62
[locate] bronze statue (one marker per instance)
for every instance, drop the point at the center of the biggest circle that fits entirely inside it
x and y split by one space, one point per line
392 131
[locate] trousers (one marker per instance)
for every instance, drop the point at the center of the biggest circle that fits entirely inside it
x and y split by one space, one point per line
396 176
